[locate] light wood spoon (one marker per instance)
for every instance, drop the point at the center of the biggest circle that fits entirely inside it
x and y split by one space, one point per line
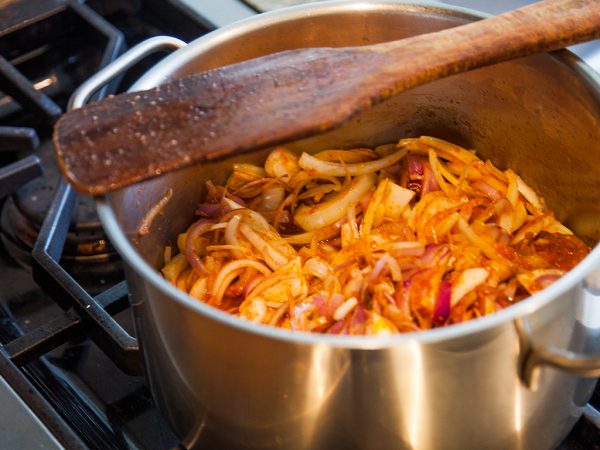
289 95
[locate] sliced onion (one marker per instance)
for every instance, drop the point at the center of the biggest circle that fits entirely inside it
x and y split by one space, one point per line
199 289
251 284
433 252
441 310
344 309
282 163
212 210
529 194
336 328
344 265
547 279
231 230
299 319
380 325
316 267
327 306
174 267
267 283
271 198
467 281
310 163
512 191
536 280
255 310
321 303
374 212
532 228
415 163
358 318
254 219
430 182
386 261
446 149
229 272
271 256
487 190
196 230
330 211
356 155
437 169
396 200
406 248
486 248
246 180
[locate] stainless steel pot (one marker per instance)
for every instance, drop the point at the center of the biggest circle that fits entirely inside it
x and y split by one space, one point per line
222 381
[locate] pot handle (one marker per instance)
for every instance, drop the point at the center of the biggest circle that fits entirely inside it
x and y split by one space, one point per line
533 356
132 56
125 351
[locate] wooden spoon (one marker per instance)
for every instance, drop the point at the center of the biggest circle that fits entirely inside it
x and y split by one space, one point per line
289 95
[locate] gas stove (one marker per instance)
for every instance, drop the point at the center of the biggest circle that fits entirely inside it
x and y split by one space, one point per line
70 368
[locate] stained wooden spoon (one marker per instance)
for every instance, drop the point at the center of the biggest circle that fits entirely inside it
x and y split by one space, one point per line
285 96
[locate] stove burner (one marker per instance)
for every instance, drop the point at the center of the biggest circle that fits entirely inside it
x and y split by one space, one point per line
87 255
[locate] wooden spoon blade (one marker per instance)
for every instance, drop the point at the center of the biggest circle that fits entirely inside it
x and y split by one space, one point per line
204 117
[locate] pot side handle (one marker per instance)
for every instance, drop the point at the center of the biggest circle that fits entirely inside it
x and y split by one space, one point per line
533 356
145 48
122 347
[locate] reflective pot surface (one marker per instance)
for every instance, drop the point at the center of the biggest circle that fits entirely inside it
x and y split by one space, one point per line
225 383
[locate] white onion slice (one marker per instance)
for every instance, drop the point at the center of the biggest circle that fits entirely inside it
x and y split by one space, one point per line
396 200
345 308
529 194
467 281
309 162
330 211
229 272
282 163
272 257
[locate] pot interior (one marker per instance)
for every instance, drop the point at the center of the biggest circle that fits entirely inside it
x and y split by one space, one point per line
538 115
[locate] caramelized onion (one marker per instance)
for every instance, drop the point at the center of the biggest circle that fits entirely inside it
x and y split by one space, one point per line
333 209
195 231
310 163
442 304
339 243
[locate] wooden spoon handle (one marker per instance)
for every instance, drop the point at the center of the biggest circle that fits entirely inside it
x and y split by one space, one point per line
540 27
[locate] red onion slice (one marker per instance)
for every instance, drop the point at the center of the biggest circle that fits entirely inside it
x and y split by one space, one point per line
212 210
430 182
415 166
488 190
197 229
442 304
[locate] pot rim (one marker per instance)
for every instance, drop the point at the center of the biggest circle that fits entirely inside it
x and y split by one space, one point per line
165 68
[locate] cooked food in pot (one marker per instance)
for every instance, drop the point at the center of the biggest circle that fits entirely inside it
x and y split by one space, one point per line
403 237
